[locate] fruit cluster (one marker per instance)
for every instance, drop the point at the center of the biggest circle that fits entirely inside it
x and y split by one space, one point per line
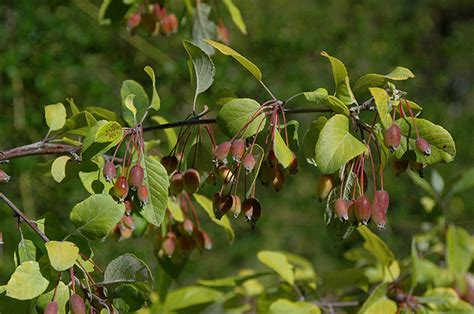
353 178
155 20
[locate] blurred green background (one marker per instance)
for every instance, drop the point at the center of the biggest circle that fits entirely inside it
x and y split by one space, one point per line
50 50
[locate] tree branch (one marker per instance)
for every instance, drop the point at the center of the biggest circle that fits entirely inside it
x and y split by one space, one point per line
23 217
45 148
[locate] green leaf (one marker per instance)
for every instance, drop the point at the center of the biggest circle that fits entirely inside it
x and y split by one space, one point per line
282 151
246 63
437 181
278 263
127 268
442 144
183 298
317 96
337 105
62 296
422 183
303 268
26 252
55 116
237 113
131 107
400 74
378 302
376 246
379 80
204 69
381 102
203 28
258 154
155 99
96 216
157 182
175 209
80 123
236 16
127 298
107 133
336 145
141 101
224 222
440 298
341 79
62 255
311 138
3 289
58 168
169 132
27 282
284 306
458 250
102 113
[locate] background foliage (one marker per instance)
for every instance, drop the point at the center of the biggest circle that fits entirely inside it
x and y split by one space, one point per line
56 49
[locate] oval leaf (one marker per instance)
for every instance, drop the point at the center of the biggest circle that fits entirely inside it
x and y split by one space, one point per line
58 168
96 216
157 182
278 263
155 99
246 63
341 79
236 16
55 116
141 101
336 145
237 113
27 282
381 102
62 255
282 151
127 268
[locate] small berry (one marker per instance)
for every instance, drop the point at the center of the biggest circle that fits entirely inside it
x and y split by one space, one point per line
136 176
51 308
125 234
362 209
399 166
223 206
76 304
134 21
225 174
392 137
169 24
378 214
237 149
278 181
170 163
341 207
188 226
267 173
4 177
191 180
128 206
293 167
326 184
271 158
252 210
236 206
168 246
127 222
207 241
249 163
142 195
176 183
121 188
222 150
211 179
382 199
159 11
423 146
223 33
109 171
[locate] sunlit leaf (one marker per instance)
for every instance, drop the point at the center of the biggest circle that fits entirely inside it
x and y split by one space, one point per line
27 282
239 113
62 255
156 179
58 168
55 116
279 263
155 99
236 16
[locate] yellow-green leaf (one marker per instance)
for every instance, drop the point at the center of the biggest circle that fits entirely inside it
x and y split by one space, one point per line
284 306
27 282
341 79
237 114
62 255
130 106
224 222
381 102
236 16
337 105
282 151
376 246
155 99
246 63
55 116
109 132
58 168
278 263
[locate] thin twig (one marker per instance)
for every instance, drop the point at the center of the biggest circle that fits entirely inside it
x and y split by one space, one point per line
23 217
